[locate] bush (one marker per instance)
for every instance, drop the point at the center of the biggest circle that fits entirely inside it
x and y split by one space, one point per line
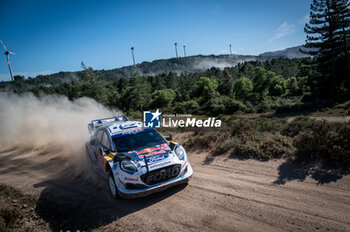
324 142
223 105
246 126
298 124
214 106
263 146
233 105
241 126
187 107
265 138
224 147
269 125
201 141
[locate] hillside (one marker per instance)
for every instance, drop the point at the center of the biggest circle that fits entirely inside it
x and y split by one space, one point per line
191 64
293 52
179 65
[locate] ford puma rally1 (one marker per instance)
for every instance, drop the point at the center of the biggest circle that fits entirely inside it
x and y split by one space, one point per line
135 160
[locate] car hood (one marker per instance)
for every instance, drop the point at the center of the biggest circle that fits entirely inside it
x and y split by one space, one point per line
153 154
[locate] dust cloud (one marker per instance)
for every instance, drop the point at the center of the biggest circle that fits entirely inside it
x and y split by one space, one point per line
48 129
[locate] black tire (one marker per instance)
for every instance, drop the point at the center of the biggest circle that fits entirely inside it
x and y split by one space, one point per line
113 191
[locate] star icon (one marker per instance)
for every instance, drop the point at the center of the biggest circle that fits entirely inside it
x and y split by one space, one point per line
155 115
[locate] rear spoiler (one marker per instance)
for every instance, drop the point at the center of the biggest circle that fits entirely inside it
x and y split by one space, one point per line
100 122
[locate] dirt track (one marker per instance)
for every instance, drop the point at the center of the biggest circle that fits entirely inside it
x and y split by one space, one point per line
224 195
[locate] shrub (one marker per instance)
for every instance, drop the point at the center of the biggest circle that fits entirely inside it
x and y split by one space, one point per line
201 141
298 124
225 146
246 126
214 106
233 105
269 125
324 142
187 107
263 146
241 126
265 138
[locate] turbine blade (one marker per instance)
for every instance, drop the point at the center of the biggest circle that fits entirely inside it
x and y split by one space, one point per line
3 45
12 53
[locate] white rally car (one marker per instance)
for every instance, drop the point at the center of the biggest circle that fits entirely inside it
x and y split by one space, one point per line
136 161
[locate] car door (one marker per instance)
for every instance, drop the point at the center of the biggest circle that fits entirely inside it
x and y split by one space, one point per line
104 149
98 141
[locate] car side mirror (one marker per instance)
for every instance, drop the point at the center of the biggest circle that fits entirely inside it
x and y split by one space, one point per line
170 136
92 141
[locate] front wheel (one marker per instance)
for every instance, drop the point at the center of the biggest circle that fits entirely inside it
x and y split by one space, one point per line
113 190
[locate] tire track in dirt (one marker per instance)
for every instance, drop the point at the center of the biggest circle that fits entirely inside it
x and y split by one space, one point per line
225 195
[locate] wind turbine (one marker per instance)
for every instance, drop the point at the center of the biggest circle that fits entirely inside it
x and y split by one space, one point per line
184 50
230 50
132 53
176 50
7 53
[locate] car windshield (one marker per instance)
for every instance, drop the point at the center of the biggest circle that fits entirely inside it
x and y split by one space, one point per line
138 141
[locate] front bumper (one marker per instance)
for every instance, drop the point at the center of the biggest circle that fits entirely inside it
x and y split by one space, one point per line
134 193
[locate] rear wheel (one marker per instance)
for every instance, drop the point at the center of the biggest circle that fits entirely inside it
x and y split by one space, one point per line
113 190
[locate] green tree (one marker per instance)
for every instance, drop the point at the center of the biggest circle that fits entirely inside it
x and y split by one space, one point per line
131 99
163 98
261 82
205 89
242 88
328 35
226 83
18 78
292 86
277 85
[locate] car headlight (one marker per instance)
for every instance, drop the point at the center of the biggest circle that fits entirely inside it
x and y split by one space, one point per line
180 152
128 166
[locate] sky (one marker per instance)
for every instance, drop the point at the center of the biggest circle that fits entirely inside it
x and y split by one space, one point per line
49 36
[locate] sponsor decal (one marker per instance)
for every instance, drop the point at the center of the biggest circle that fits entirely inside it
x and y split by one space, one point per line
153 159
152 151
160 165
